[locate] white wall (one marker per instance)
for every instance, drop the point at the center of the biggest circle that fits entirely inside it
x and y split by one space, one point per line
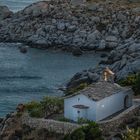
97 110
69 111
111 105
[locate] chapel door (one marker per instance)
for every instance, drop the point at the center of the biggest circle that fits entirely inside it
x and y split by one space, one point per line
79 113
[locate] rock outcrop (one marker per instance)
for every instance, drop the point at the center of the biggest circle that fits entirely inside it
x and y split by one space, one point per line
5 12
94 26
123 60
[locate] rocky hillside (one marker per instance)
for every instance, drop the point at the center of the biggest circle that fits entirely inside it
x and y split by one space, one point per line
95 25
89 26
124 60
19 126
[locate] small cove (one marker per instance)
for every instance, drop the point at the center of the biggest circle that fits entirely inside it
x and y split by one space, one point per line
38 73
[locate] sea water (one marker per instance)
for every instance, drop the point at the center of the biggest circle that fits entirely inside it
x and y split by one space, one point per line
38 73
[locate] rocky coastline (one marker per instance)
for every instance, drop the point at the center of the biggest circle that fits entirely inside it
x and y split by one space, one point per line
123 60
95 26
103 26
57 24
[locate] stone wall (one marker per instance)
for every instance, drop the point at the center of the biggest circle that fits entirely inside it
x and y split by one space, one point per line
122 119
66 127
50 125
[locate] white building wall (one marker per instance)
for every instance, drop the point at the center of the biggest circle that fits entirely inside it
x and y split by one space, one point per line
111 105
97 110
70 111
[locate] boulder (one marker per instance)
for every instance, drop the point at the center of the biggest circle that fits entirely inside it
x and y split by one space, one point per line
93 39
23 49
111 39
121 17
77 2
36 9
103 55
136 10
93 6
1 120
134 48
77 52
20 108
102 45
94 77
112 42
61 26
95 19
5 12
71 28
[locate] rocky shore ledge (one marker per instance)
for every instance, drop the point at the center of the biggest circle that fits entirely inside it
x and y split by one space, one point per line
58 23
100 26
124 60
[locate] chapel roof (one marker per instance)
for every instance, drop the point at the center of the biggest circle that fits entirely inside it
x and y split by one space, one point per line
101 90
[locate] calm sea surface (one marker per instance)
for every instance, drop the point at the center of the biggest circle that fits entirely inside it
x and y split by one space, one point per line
26 77
30 76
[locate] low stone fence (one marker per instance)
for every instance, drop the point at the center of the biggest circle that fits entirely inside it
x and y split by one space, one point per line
123 118
66 127
50 125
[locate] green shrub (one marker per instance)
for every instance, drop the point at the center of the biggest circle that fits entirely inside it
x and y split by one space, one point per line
64 119
34 109
19 114
89 132
36 112
92 131
132 134
67 137
128 81
52 105
31 105
83 121
46 107
132 80
78 134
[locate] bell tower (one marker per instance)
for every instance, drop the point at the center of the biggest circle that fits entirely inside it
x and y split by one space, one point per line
108 75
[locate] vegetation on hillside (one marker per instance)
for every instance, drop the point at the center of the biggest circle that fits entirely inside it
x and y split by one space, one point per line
45 108
132 80
88 132
132 134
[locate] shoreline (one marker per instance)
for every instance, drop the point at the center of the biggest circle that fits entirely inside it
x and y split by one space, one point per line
57 47
96 26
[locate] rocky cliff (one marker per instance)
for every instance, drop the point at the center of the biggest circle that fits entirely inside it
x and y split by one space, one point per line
90 26
108 25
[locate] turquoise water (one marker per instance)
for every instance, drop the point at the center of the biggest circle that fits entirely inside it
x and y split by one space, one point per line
16 5
26 77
